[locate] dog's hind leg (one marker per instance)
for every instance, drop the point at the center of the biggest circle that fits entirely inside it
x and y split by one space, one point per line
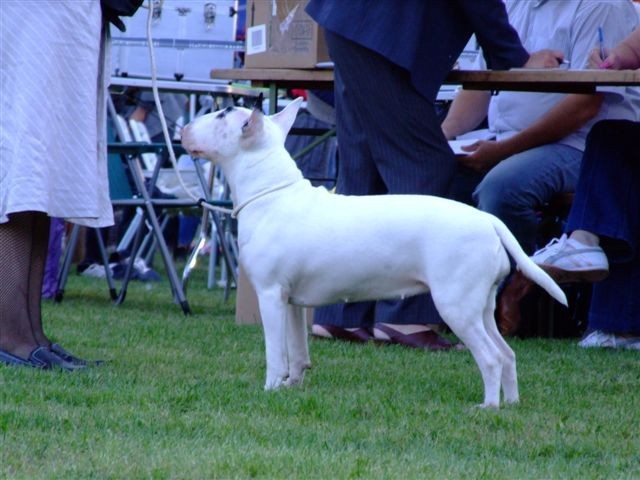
488 359
273 310
297 345
509 373
466 321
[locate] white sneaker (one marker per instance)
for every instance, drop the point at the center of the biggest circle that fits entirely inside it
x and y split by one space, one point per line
94 270
600 339
143 272
566 260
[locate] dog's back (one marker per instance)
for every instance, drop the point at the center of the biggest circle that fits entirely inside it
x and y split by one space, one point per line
372 247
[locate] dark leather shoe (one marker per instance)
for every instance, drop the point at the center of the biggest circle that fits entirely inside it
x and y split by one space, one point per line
426 339
70 358
508 311
358 335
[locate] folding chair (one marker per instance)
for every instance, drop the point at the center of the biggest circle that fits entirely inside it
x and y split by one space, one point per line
119 190
129 153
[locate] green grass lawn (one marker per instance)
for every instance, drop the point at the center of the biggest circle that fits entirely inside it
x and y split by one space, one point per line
181 397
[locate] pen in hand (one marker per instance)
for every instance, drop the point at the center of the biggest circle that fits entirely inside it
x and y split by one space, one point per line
603 54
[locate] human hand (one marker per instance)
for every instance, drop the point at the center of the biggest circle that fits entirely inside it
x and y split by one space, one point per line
483 155
611 61
544 59
112 10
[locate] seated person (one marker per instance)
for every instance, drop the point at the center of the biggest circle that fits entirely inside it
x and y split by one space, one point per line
173 106
540 136
389 135
605 224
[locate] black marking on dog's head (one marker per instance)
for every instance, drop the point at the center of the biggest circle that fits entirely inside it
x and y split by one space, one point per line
224 112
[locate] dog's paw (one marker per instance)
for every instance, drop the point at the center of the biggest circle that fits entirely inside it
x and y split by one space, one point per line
296 375
488 406
275 382
294 381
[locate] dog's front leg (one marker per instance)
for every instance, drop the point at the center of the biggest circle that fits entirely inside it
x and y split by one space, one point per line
297 345
273 310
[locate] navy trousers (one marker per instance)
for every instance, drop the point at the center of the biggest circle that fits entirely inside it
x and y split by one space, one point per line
607 203
389 141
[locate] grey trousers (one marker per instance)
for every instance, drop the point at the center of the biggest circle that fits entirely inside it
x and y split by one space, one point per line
389 141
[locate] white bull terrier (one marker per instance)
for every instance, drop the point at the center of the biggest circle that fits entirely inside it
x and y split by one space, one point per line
303 246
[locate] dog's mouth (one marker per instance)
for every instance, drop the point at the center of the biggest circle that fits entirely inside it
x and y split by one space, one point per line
196 153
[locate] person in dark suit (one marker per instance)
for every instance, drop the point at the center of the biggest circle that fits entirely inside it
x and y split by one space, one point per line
390 60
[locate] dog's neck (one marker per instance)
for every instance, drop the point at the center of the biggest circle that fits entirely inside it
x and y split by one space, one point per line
258 173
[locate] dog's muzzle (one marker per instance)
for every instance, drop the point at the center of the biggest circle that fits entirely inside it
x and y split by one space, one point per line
188 143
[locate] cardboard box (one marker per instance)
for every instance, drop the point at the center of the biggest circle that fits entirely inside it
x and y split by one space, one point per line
280 34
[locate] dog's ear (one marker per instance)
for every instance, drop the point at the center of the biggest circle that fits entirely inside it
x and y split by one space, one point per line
254 124
287 116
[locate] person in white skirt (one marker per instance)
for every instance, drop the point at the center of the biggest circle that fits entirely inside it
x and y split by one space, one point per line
53 55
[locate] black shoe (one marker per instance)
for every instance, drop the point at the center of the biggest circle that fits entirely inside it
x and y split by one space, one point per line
70 358
43 357
7 358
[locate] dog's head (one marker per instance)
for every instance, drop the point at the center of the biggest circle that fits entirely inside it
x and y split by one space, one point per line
227 133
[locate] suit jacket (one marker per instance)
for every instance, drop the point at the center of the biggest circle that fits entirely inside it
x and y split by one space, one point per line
424 37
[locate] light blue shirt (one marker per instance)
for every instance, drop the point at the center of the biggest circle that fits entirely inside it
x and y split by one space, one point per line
571 27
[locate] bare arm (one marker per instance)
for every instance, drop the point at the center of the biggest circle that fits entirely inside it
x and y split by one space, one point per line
468 109
563 119
139 114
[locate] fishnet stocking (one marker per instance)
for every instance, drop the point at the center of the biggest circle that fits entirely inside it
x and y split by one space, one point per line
40 239
16 335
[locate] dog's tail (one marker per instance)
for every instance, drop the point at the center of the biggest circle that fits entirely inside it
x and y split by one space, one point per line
525 264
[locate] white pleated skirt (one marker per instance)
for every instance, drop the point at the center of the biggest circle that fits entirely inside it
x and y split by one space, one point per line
53 59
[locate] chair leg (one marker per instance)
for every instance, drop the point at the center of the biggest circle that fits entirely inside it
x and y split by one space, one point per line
168 263
107 269
213 259
150 250
192 260
128 272
66 263
63 276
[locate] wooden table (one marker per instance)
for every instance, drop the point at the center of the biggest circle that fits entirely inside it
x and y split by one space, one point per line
546 80
117 84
